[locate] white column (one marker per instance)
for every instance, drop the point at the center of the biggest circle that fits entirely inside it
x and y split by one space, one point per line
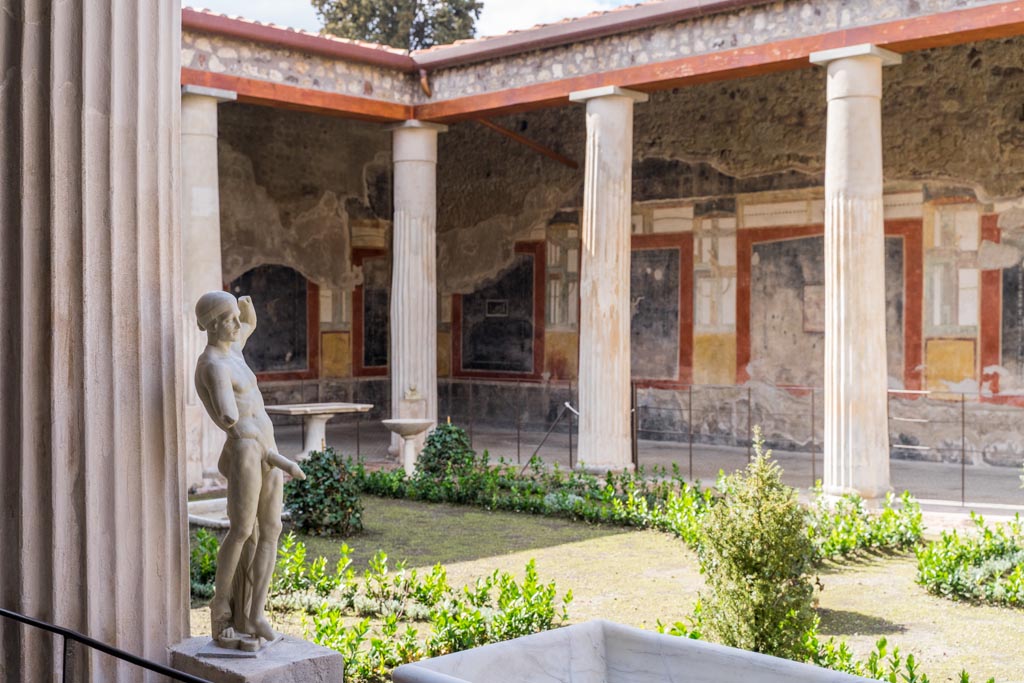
92 496
604 371
414 268
856 377
201 261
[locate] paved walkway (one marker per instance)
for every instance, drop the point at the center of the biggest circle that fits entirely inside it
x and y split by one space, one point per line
988 489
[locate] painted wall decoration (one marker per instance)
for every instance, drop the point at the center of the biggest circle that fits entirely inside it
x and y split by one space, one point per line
787 310
1012 356
497 321
280 296
654 302
376 312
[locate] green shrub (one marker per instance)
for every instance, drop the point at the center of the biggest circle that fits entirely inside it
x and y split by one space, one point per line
841 526
756 555
202 564
986 565
497 607
327 501
446 453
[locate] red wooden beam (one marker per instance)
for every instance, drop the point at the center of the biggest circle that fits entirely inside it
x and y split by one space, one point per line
535 146
283 96
918 33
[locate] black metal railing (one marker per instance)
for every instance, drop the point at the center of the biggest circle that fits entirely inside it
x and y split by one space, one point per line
69 637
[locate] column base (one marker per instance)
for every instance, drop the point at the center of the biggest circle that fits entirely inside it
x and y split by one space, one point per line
289 661
875 501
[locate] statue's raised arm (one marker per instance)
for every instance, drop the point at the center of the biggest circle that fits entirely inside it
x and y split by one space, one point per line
247 317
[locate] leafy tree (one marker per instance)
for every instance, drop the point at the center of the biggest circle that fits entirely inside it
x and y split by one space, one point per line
756 555
407 24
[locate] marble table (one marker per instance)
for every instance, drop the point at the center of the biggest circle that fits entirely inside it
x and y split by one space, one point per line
314 420
604 652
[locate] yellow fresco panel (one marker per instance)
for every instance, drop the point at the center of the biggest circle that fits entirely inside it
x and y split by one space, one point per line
948 361
444 354
337 354
714 358
561 354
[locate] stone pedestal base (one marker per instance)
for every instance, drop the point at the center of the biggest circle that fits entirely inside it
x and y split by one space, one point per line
289 661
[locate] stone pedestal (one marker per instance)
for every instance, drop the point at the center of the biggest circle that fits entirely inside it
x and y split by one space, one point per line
414 268
201 261
856 378
604 364
289 661
92 495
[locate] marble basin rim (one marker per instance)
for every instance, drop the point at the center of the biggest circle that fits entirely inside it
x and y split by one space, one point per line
407 427
605 652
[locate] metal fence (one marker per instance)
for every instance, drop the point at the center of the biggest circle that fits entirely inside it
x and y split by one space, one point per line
69 639
961 447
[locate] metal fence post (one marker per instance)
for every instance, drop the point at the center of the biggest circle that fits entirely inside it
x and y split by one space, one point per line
519 418
359 458
571 464
472 413
963 449
750 410
634 423
814 475
690 428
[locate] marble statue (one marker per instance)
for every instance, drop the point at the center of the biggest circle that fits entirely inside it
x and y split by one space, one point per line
253 467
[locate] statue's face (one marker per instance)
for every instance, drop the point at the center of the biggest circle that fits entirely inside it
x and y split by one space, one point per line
228 326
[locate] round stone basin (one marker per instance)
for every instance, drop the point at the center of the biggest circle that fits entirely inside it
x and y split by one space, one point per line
406 427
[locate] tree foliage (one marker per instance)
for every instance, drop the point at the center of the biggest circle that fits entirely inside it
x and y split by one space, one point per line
756 555
406 24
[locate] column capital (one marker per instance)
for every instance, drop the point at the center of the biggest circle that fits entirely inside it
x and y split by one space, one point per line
216 93
416 124
415 141
825 57
607 91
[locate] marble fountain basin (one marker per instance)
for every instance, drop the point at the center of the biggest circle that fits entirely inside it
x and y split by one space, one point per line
604 652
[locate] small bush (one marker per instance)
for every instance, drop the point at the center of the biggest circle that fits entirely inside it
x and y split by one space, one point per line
327 501
986 565
393 603
446 453
756 555
202 564
842 526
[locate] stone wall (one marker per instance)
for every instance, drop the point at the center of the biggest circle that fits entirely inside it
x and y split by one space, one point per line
739 157
291 186
235 57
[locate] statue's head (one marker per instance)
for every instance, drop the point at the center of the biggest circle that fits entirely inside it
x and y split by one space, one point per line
217 314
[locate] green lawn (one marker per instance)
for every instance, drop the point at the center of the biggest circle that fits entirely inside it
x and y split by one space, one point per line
638 577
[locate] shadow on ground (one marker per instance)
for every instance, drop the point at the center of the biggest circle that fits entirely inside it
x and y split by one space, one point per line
837 622
424 534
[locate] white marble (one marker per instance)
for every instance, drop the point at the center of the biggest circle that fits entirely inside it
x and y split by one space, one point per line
856 378
251 463
414 266
201 262
92 476
314 420
290 660
604 652
604 362
408 429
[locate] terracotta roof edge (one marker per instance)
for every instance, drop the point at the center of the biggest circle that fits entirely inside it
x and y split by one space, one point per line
466 52
585 28
366 53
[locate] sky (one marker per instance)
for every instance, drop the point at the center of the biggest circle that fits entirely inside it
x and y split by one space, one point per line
498 16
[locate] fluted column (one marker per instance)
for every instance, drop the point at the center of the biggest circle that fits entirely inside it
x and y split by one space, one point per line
414 266
604 371
201 261
92 514
856 377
